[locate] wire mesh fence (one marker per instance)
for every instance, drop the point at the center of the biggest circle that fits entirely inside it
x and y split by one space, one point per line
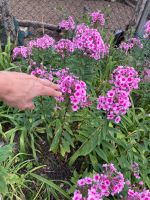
118 14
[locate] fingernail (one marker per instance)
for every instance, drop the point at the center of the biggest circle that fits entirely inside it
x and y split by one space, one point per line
59 94
58 87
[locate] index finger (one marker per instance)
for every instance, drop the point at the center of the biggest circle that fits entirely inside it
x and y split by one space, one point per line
48 83
48 91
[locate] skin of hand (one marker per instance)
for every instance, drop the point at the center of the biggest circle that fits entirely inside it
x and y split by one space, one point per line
19 89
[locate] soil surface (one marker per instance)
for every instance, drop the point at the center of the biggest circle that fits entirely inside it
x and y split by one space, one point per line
117 14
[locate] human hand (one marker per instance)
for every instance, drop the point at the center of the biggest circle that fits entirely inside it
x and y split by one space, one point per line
19 89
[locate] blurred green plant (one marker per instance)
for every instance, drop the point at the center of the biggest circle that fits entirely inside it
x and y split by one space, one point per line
6 58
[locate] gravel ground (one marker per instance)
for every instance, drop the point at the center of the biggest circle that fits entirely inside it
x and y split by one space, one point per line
52 11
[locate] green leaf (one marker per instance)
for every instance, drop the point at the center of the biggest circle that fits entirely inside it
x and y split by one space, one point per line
3 185
55 142
65 147
51 184
5 152
87 147
101 154
94 162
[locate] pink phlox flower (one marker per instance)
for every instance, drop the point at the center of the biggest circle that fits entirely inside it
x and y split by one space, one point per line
67 24
97 17
64 46
117 102
90 42
21 51
73 89
147 29
131 43
44 42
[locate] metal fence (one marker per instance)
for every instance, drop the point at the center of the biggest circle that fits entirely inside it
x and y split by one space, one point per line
118 14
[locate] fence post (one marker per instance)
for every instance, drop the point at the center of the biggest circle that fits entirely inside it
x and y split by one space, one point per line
142 15
6 21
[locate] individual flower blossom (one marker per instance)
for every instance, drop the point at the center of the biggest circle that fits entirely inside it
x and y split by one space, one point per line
109 182
147 72
21 51
81 182
90 42
97 17
67 24
64 46
130 44
72 89
128 183
136 170
44 42
77 195
147 29
116 103
141 183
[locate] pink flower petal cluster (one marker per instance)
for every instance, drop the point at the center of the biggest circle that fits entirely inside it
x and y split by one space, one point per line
72 88
138 195
136 171
64 46
41 72
38 72
117 102
90 42
44 42
21 51
109 182
130 44
125 78
147 30
97 17
67 24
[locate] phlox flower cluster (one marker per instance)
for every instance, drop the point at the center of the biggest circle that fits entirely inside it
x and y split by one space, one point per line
147 30
44 42
71 88
97 17
136 191
64 46
21 51
109 182
117 102
67 24
125 78
90 42
130 44
138 195
40 71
